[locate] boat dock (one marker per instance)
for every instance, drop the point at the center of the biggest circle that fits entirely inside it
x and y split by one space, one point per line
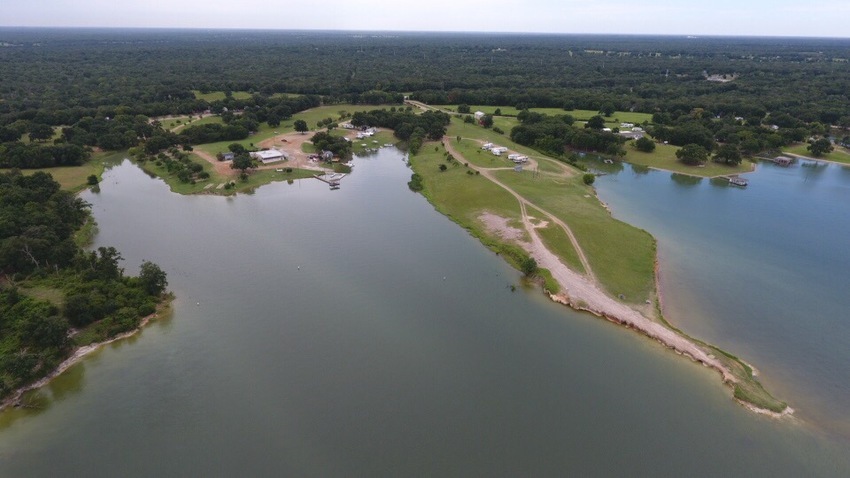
332 179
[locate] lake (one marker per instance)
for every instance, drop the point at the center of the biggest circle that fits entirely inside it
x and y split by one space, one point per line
360 332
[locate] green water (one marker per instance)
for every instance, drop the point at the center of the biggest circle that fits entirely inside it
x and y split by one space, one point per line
396 349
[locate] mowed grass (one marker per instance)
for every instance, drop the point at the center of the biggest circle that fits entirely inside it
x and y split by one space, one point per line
556 240
172 124
664 157
219 95
74 178
580 115
621 256
839 155
461 196
256 178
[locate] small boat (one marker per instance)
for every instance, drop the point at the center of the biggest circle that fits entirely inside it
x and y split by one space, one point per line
738 181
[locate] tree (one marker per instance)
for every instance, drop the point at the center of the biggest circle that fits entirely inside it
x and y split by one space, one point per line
728 154
236 148
597 122
588 178
528 266
242 162
498 112
463 109
300 126
40 132
443 167
692 154
607 109
92 180
820 147
487 121
153 279
645 144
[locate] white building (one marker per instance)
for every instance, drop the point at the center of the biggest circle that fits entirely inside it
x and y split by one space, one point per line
478 115
269 156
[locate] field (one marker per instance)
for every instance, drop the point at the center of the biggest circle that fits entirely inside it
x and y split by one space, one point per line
664 157
840 155
580 115
621 256
73 178
219 95
255 179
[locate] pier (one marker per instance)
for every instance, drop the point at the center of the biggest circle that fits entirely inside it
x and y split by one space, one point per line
332 179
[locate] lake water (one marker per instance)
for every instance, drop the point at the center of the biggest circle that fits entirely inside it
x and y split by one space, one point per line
763 272
359 332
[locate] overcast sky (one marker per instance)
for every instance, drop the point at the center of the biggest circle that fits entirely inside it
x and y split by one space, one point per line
826 18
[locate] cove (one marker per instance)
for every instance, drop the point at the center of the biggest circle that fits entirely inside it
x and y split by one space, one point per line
397 348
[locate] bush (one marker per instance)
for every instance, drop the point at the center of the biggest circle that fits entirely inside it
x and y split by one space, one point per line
588 178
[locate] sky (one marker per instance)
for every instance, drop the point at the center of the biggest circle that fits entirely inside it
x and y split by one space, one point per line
821 18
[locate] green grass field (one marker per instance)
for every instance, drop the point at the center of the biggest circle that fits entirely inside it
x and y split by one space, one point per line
170 124
664 157
556 240
73 178
255 179
622 256
839 155
580 115
219 95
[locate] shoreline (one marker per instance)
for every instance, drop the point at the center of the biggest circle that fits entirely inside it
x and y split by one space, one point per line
81 352
582 293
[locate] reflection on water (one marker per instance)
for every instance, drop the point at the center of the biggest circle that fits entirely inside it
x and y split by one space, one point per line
359 332
760 271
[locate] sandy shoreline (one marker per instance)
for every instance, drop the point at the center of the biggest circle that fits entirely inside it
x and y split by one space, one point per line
78 355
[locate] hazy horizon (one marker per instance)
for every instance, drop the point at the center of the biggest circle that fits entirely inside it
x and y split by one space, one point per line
759 18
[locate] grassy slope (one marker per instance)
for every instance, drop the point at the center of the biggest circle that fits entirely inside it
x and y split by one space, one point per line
664 157
255 179
622 256
580 115
463 197
840 155
73 178
219 95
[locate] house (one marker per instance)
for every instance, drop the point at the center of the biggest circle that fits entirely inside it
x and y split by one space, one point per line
478 115
626 125
228 156
269 156
327 156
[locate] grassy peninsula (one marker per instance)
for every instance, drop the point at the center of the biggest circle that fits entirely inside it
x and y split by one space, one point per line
547 208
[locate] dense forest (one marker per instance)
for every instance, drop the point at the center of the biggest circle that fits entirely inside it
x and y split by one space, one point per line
66 91
88 297
56 77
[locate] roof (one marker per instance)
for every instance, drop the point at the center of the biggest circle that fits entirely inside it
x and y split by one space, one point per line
268 154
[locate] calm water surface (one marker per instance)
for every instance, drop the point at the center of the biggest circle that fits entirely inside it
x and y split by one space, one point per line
764 272
396 349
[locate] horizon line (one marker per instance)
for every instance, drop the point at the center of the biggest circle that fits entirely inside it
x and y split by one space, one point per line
457 32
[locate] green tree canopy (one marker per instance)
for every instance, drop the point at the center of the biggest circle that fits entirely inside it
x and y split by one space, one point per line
692 154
